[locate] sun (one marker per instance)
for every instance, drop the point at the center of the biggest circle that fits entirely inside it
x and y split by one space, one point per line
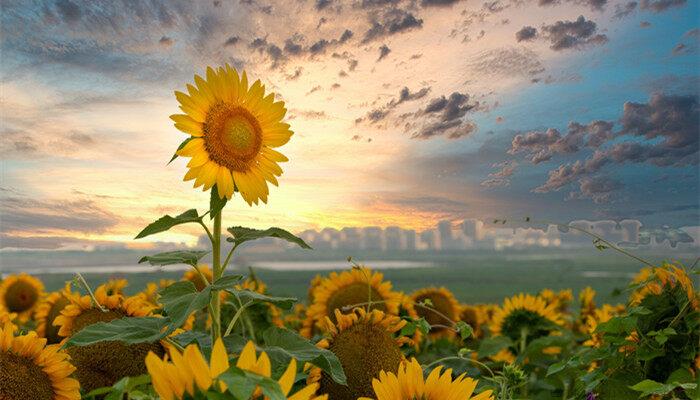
355 287
31 370
409 384
234 128
20 294
366 344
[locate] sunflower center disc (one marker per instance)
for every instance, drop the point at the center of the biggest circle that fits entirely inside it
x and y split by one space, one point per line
518 320
20 378
20 297
439 303
232 136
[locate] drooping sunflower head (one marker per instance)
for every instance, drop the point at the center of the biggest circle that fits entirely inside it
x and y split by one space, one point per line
366 344
597 317
439 307
116 286
409 384
356 287
234 128
198 278
20 293
561 299
104 363
525 314
48 309
31 370
667 277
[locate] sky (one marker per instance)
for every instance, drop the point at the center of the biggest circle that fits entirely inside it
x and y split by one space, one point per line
404 112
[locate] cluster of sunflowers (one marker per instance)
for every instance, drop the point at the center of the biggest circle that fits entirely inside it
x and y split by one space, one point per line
387 345
217 336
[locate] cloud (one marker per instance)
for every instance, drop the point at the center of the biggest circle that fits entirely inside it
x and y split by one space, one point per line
384 51
658 6
527 33
540 146
623 10
438 3
667 122
232 41
166 41
507 62
501 177
405 95
69 11
391 22
564 35
599 189
443 116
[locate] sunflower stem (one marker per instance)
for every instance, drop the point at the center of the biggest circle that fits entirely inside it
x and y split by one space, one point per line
218 272
85 285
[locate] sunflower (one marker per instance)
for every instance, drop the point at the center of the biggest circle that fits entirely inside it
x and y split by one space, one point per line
187 371
233 129
249 361
525 317
365 343
7 318
667 276
587 308
116 286
409 384
439 307
357 286
31 370
150 293
597 317
48 309
20 294
198 275
104 363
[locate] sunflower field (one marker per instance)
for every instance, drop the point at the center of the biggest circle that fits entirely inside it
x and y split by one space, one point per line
215 334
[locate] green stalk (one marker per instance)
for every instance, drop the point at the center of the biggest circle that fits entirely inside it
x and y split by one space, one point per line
215 301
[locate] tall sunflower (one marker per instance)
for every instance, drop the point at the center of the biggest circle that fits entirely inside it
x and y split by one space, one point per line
439 307
349 288
409 384
104 363
366 344
31 370
48 309
20 293
234 128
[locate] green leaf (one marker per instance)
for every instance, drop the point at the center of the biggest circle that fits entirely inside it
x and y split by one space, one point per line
184 142
249 296
216 204
129 330
242 235
281 345
410 328
226 282
182 299
242 384
189 257
167 222
649 387
465 330
126 385
493 345
423 325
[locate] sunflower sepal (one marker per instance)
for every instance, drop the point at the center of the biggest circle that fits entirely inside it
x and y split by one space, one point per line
217 202
183 144
242 234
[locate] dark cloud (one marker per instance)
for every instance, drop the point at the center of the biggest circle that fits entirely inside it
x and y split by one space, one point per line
166 41
438 3
680 49
384 51
405 95
443 116
321 4
598 188
661 5
69 11
541 146
390 22
526 33
623 10
644 24
669 123
577 34
494 6
314 89
232 41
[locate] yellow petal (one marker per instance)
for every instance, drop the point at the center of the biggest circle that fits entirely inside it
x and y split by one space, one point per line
219 359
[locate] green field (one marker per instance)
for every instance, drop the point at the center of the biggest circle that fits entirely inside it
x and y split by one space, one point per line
474 278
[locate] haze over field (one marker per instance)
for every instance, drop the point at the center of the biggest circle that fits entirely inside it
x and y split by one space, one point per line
405 113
